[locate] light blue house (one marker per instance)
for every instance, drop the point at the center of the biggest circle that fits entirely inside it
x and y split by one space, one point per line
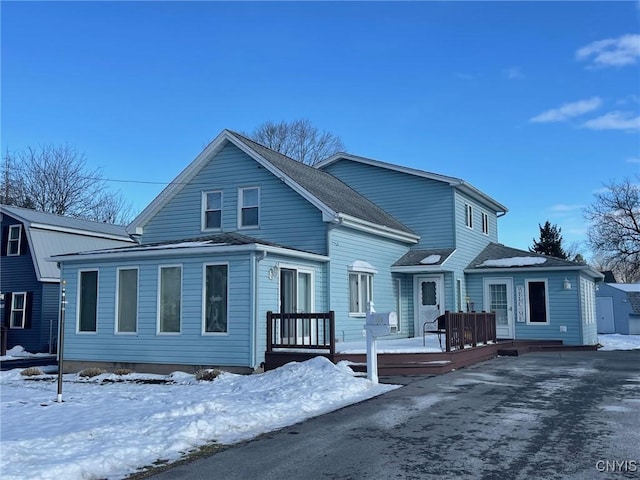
244 230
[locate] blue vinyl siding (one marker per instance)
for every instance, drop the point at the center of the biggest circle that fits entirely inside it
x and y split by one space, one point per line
347 246
189 347
17 274
286 217
564 305
423 205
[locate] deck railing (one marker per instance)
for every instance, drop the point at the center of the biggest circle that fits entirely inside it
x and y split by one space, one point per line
307 331
469 329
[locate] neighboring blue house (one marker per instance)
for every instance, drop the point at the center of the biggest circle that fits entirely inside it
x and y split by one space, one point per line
244 230
618 308
29 284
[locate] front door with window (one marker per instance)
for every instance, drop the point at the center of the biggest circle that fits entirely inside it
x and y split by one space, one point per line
429 301
498 298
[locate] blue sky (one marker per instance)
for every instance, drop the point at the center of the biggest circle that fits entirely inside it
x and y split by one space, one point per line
535 103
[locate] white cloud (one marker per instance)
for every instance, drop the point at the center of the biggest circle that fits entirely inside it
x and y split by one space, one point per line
563 208
612 52
614 121
512 73
633 160
568 110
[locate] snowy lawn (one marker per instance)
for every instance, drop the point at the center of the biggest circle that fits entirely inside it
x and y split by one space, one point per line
112 425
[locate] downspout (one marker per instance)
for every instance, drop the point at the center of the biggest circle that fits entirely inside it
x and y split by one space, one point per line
256 259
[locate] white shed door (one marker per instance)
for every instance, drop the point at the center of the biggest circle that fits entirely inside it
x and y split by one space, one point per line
604 311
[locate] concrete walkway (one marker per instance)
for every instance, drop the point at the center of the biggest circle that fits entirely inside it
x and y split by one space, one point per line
560 415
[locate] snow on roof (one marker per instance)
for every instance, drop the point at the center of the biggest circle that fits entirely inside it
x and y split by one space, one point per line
362 266
627 287
513 262
430 259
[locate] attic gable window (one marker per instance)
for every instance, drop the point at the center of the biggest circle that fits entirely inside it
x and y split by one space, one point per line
468 215
13 241
249 207
212 210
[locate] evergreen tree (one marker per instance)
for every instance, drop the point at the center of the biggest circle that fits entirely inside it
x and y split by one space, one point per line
550 242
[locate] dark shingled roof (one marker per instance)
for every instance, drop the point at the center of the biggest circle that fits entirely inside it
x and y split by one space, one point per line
497 251
414 257
334 193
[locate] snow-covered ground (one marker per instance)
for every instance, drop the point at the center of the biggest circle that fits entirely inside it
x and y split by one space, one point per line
112 425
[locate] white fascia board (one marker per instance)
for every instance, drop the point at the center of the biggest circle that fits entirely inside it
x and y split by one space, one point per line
587 270
374 228
176 252
84 233
476 194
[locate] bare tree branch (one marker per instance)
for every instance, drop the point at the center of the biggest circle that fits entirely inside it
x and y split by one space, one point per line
298 139
615 228
56 179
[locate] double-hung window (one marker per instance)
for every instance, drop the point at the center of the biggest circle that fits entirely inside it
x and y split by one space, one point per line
485 223
537 302
360 287
249 207
212 210
169 299
88 301
127 300
215 301
13 241
468 215
18 309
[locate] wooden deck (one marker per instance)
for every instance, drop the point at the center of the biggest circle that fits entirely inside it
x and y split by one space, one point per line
469 338
435 363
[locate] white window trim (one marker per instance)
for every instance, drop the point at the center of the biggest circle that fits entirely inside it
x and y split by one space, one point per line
117 295
398 283
80 272
19 240
301 269
360 274
468 215
241 206
485 223
24 310
204 300
203 203
158 301
546 300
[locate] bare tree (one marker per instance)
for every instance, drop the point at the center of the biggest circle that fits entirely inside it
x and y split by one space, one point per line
615 228
55 179
298 139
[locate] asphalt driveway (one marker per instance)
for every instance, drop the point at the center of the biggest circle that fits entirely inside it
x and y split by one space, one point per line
568 415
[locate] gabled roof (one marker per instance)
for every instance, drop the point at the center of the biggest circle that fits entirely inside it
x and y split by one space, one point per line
422 260
50 235
458 183
336 200
497 257
216 243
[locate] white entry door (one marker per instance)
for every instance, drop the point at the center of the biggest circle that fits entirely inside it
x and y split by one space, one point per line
429 297
498 298
604 311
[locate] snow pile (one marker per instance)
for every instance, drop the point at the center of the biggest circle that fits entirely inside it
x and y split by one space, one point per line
106 428
619 342
513 262
430 259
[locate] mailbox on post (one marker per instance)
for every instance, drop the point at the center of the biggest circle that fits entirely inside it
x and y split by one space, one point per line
378 324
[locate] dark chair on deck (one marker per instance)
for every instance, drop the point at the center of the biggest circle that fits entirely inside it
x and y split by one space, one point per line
437 326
